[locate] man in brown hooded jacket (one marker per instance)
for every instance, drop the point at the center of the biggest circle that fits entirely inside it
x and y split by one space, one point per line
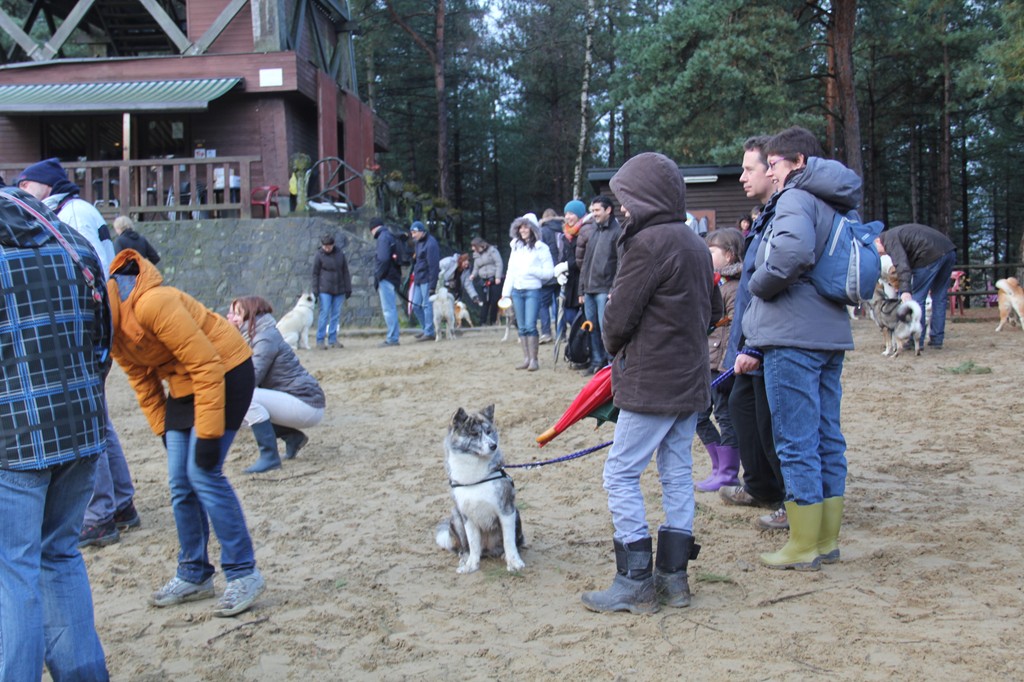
655 326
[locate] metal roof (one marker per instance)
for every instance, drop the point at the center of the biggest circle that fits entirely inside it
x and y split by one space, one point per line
133 96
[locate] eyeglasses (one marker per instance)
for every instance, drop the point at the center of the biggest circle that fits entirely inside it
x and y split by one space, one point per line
771 164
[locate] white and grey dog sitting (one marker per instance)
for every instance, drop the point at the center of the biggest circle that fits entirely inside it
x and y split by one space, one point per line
444 312
296 323
484 520
900 321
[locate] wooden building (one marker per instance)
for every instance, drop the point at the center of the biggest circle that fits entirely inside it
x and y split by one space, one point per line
712 192
119 80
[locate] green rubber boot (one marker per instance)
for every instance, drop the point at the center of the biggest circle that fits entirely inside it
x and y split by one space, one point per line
801 550
828 537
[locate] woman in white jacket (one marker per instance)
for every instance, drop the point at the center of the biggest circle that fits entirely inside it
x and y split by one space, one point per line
529 267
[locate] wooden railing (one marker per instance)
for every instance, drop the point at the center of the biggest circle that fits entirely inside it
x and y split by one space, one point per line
162 189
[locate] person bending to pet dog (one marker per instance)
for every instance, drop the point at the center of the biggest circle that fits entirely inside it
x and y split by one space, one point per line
287 397
655 326
804 337
332 284
726 246
529 266
924 259
162 334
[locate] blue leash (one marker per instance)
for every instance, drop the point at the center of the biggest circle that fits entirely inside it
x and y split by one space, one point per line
563 458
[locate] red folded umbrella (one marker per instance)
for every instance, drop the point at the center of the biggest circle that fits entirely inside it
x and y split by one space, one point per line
593 400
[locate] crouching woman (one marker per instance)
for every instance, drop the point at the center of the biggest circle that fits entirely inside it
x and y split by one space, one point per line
162 334
287 397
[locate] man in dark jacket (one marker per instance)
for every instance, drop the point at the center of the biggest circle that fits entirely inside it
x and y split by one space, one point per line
332 284
655 325
128 238
598 258
387 276
924 259
425 273
53 363
550 231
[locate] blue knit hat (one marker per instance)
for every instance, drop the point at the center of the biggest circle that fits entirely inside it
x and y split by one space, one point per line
576 207
48 172
417 226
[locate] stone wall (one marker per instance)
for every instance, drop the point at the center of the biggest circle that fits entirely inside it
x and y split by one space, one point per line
218 260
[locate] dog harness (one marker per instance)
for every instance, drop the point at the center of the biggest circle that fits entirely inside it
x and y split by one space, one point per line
493 476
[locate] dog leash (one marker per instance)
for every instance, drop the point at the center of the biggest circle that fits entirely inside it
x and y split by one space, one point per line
563 458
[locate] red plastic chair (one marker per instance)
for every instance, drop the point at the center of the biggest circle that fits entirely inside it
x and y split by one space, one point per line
956 302
265 197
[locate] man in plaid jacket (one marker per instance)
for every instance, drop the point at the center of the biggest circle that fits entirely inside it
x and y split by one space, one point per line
54 355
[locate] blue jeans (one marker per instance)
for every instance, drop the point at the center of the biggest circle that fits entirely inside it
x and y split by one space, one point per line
804 394
526 303
45 600
548 310
423 308
196 494
330 315
934 279
386 292
593 308
637 436
113 490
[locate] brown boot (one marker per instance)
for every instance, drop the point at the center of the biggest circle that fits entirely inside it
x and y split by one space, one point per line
526 352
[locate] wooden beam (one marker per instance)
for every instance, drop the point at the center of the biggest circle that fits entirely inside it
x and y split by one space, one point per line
20 37
169 26
217 27
52 46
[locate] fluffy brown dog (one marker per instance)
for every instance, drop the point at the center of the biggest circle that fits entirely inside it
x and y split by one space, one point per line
1011 302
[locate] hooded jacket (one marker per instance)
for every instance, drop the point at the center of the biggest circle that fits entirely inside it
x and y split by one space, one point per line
84 217
597 255
718 340
130 239
785 308
659 307
528 267
163 334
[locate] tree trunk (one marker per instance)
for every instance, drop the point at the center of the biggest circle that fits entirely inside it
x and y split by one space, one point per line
844 16
581 148
944 189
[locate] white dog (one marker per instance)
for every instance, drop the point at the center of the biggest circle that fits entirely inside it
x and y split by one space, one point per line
294 326
444 311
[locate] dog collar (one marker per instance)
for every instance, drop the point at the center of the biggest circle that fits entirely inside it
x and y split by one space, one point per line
493 476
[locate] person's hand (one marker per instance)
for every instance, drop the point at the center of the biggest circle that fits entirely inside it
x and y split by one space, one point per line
746 364
431 292
497 280
476 302
207 453
906 297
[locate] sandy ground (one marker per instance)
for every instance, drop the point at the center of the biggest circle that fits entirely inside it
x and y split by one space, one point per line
929 586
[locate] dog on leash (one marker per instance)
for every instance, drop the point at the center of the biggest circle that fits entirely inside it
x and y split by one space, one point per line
462 315
444 312
484 520
900 321
508 315
295 325
1011 302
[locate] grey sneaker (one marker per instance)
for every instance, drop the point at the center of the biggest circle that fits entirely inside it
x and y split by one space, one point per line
239 595
777 520
178 591
738 495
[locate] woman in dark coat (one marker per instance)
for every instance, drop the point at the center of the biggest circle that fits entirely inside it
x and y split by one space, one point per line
332 284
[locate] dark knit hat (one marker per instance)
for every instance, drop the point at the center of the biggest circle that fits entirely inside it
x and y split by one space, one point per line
375 223
417 226
48 172
576 207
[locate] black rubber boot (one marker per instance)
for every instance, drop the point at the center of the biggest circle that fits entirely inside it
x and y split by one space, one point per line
265 437
633 587
675 550
294 440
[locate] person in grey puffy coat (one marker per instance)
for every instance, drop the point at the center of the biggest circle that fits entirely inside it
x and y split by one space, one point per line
804 337
287 397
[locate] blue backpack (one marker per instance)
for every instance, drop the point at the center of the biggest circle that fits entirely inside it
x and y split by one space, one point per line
847 270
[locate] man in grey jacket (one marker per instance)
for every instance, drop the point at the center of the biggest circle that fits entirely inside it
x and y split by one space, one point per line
655 325
924 259
804 337
597 254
